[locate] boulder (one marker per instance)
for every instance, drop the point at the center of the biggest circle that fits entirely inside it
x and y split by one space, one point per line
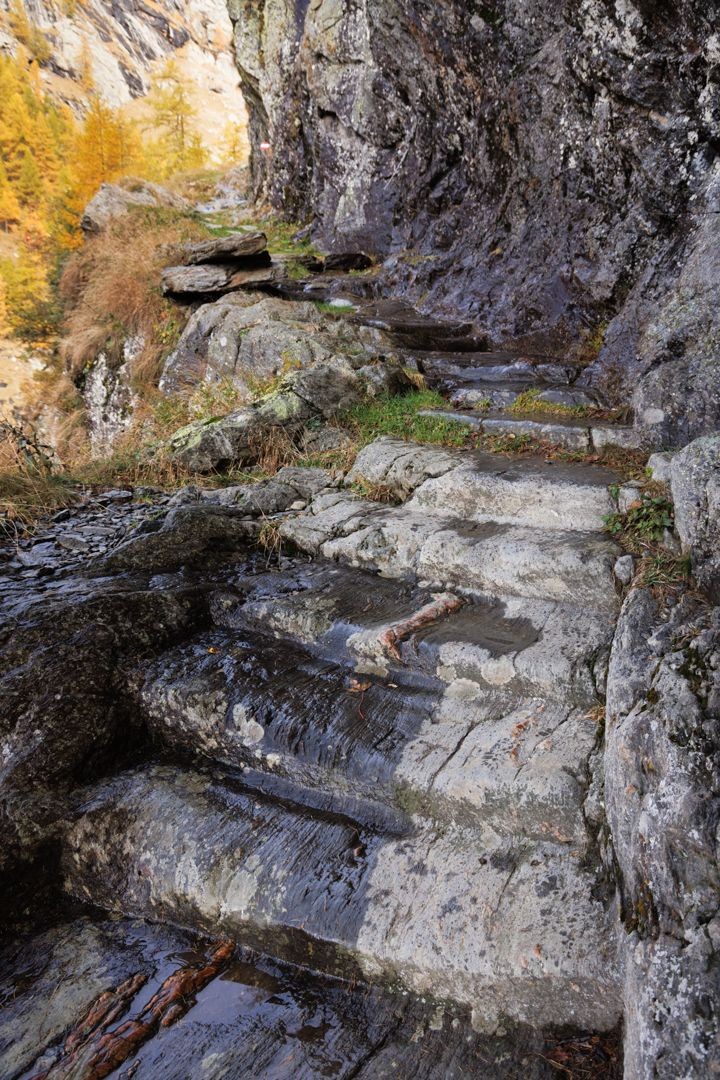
238 245
316 393
214 278
195 280
252 341
695 485
243 338
114 200
207 444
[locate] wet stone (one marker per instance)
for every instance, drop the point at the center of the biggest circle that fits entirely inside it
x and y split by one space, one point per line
258 1017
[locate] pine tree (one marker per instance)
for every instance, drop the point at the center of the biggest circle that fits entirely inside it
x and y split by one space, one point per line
9 205
29 184
28 33
179 147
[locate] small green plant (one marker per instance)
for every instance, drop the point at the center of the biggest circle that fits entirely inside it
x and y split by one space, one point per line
483 405
663 570
326 308
644 522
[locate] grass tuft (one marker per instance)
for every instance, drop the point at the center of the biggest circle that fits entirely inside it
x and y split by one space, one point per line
398 417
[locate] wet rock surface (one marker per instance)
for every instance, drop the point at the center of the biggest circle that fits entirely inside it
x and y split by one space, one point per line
257 1017
378 778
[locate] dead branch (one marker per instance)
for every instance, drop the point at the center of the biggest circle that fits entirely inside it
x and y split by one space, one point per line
443 604
98 1051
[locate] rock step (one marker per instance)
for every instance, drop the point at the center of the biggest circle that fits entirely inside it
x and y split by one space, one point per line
257 1018
501 394
366 745
487 557
588 435
466 369
477 486
508 931
388 628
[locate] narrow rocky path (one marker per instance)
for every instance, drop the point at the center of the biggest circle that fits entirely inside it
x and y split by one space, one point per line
374 754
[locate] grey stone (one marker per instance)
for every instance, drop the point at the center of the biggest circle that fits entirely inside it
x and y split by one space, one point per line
205 445
114 200
695 485
625 569
659 466
186 845
254 341
574 436
568 397
628 495
196 280
614 435
237 245
487 557
73 542
477 486
325 438
662 787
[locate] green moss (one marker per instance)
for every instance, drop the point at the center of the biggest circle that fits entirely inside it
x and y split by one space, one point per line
529 402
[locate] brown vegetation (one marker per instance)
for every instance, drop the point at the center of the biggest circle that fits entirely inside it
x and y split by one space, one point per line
111 293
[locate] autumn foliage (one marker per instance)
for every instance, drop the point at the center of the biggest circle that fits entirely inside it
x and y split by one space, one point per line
52 162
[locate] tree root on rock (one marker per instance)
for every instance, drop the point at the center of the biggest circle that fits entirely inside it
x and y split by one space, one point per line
443 604
92 1051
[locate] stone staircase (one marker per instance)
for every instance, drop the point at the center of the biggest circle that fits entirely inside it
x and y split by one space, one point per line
379 763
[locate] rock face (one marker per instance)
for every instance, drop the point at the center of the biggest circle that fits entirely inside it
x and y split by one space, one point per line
128 43
695 485
541 167
109 397
662 786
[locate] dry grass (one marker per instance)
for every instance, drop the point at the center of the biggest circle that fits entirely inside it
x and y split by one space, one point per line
271 448
111 293
29 489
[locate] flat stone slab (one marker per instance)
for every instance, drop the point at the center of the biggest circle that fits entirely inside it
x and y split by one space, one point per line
468 370
573 434
477 486
507 931
372 733
488 557
221 249
214 279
